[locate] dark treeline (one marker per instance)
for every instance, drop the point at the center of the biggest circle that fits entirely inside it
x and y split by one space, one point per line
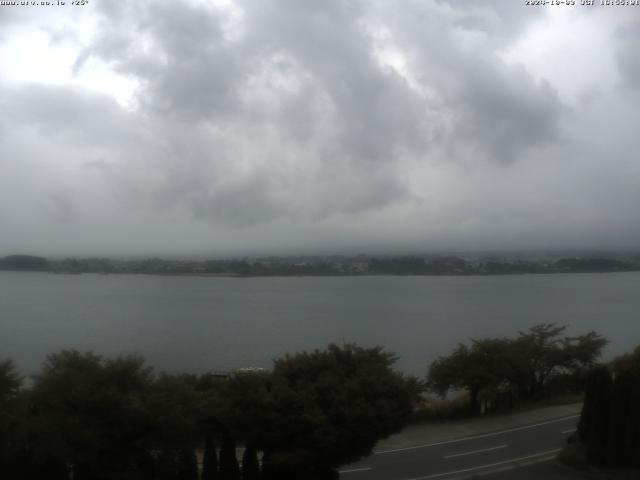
86 417
609 428
333 265
500 372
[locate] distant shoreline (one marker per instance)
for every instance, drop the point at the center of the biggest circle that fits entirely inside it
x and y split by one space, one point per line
331 266
311 275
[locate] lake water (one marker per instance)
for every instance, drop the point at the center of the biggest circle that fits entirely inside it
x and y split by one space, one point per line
199 323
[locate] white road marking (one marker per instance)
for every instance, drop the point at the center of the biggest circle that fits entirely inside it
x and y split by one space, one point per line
476 451
571 430
489 465
475 437
353 470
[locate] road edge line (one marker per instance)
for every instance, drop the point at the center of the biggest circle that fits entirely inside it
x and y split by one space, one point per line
475 437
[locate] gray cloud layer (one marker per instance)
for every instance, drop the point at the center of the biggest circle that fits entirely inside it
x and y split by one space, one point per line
330 126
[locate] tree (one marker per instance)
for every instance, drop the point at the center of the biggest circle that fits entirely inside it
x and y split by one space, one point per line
229 468
242 411
10 381
483 365
327 408
624 447
10 424
593 426
187 465
629 362
250 465
209 459
541 353
91 414
516 367
610 422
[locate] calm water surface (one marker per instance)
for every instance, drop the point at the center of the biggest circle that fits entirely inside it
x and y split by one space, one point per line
198 323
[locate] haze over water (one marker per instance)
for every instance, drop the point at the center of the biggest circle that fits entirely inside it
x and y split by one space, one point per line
198 324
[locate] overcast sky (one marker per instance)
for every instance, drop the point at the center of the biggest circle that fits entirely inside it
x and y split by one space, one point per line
286 126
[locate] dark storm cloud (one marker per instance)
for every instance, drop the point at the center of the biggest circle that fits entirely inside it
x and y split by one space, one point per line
190 69
277 119
311 77
495 112
177 52
85 117
506 113
376 112
627 54
343 112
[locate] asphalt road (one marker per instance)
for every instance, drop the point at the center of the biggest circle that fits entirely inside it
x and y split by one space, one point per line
464 457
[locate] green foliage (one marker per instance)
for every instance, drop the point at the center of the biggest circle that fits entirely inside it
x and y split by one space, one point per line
498 368
330 407
187 465
93 413
486 364
610 420
105 419
10 381
10 421
109 416
229 468
596 410
209 459
629 362
242 406
250 464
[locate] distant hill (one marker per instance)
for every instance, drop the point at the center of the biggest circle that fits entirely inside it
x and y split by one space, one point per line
594 265
329 266
24 263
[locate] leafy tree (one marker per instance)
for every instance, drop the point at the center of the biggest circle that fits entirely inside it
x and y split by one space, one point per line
241 408
522 366
10 384
484 365
187 465
10 381
243 398
541 352
327 408
629 362
175 406
91 413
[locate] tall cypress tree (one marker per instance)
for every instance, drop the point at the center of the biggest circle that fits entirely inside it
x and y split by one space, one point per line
210 459
229 468
596 411
610 421
267 471
250 464
622 433
187 465
634 425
